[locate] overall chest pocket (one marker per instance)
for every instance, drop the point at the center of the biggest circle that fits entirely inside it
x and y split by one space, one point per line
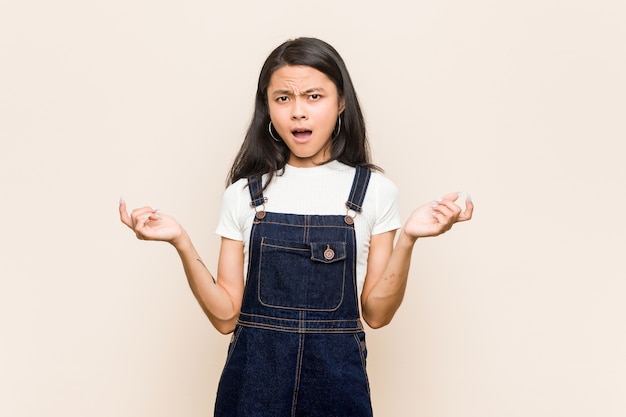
307 276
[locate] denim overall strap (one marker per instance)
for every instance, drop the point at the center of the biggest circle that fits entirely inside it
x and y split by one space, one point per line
359 186
255 186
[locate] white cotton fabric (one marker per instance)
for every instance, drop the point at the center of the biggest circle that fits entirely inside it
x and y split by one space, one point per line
319 190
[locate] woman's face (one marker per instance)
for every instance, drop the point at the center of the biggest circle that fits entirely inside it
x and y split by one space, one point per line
304 105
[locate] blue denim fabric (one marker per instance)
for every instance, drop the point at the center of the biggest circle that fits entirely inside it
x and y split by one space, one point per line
299 348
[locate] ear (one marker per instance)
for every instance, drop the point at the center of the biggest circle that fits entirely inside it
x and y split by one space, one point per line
342 104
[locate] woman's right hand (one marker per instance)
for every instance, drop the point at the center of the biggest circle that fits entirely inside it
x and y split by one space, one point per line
149 224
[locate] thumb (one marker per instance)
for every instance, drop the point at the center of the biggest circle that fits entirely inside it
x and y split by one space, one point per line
124 217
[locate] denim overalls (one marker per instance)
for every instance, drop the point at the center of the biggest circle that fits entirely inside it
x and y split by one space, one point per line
299 348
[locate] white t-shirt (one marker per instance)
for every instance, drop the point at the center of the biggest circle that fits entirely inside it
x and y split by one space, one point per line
319 190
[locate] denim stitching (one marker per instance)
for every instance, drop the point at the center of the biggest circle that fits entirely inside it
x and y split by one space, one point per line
294 402
355 183
255 186
232 345
362 349
286 307
364 188
358 185
262 316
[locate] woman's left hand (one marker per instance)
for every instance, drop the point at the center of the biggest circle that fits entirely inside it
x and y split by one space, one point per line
437 217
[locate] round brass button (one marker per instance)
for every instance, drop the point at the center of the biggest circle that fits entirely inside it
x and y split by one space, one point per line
329 253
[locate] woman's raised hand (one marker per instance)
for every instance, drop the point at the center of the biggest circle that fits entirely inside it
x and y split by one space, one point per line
149 224
437 217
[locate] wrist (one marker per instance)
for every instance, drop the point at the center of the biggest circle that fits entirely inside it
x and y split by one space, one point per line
181 242
404 239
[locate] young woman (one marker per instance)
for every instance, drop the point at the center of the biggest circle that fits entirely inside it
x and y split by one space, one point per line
308 227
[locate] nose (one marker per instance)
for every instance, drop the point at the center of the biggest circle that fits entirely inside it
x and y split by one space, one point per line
298 112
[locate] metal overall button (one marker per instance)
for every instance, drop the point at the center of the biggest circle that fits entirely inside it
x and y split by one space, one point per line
260 212
350 215
329 253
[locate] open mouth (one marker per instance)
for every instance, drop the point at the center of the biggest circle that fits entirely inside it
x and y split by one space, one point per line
301 134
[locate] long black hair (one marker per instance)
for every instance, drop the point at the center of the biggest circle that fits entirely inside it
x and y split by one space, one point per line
261 154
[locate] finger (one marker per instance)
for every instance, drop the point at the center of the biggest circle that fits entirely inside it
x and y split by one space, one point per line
448 207
142 225
469 210
124 217
444 223
140 214
154 216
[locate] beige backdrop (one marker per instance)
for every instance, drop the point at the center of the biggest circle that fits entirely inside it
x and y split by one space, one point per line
521 104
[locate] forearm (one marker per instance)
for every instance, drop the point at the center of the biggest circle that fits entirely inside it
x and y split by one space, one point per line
214 299
386 296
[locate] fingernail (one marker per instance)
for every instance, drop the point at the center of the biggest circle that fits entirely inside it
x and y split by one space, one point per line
121 200
469 198
458 193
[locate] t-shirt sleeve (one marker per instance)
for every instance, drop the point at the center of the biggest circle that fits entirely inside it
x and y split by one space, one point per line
229 225
387 206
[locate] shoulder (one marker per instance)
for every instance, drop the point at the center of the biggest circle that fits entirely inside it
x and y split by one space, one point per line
236 192
237 187
381 185
381 204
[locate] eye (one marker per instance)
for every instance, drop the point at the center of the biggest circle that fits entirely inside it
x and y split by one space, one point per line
315 97
282 99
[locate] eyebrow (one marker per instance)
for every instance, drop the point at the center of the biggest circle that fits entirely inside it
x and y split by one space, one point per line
306 92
